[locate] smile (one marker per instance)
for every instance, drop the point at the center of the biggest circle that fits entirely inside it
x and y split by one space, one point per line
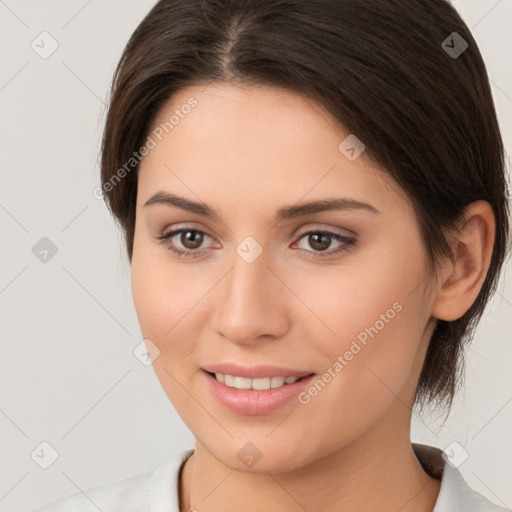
261 395
234 381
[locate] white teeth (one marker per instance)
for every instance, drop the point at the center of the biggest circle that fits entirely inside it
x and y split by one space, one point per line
276 382
242 383
260 384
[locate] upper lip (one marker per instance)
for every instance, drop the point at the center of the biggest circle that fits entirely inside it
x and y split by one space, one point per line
255 372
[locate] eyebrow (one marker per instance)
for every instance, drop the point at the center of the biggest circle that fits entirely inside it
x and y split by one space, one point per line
287 212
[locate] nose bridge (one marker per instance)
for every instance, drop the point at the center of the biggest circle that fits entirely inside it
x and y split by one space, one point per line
248 304
248 281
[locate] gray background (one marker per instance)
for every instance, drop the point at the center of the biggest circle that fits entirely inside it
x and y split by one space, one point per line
68 375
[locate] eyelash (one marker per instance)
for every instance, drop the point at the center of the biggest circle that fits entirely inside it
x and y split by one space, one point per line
348 243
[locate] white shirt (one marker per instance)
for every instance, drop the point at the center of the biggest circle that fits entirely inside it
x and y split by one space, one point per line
157 490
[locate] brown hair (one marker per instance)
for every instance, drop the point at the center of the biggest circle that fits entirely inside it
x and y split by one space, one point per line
383 69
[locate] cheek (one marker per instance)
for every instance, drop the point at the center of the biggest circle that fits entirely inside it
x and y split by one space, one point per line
361 379
374 296
162 296
377 316
372 330
164 306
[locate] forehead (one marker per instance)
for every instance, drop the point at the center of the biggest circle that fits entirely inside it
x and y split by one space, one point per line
255 145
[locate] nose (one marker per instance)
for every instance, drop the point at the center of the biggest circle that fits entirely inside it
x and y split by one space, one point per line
252 303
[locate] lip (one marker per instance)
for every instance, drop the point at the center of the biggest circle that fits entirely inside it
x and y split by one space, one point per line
252 402
255 372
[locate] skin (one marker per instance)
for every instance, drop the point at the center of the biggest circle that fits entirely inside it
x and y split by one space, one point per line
246 152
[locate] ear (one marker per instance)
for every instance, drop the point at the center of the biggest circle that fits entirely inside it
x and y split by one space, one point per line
462 279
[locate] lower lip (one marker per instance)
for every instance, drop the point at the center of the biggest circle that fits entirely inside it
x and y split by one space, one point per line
252 402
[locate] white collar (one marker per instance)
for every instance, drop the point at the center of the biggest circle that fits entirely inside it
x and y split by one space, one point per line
454 494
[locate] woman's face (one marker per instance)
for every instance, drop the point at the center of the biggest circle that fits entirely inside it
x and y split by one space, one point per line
345 302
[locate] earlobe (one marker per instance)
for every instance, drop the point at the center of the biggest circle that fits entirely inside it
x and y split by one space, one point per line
462 279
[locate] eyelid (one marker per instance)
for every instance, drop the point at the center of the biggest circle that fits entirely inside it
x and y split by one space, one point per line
186 225
347 233
297 232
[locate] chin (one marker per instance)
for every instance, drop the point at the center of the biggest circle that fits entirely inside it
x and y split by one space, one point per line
258 455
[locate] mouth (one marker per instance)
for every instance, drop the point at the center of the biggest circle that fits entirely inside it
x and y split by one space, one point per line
257 396
259 384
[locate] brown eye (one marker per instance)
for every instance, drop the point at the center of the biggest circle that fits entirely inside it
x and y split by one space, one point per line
188 241
191 239
320 241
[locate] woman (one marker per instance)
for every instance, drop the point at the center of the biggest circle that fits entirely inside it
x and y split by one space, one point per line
314 206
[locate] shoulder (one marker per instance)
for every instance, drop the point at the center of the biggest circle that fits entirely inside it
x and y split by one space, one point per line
455 493
139 493
128 493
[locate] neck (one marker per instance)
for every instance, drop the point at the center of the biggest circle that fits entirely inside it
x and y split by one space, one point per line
378 471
